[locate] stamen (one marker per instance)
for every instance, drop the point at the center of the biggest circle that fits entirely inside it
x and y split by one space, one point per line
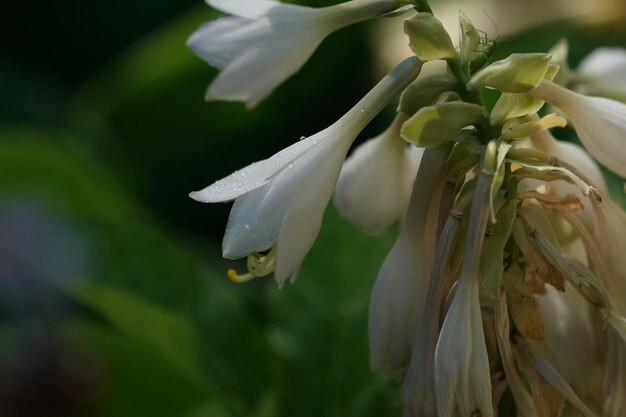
235 277
260 263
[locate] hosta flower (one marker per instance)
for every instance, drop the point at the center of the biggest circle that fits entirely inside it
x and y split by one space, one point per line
603 73
264 42
398 296
599 122
375 183
280 201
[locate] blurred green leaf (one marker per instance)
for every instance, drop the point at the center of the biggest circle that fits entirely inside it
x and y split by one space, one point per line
158 329
38 162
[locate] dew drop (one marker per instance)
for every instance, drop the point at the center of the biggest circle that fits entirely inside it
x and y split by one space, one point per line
302 137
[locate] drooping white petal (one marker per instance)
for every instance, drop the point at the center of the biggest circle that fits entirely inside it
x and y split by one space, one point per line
268 41
281 200
599 122
252 9
306 210
603 73
259 173
264 66
398 295
375 184
222 40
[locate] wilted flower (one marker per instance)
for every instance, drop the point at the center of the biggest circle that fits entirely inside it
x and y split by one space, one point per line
264 42
281 200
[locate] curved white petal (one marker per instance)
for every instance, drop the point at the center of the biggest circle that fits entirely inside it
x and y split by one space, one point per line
375 184
263 67
268 41
259 173
398 295
599 122
396 304
222 40
283 198
304 215
252 9
603 72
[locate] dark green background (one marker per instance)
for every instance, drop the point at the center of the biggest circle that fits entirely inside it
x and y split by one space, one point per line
113 295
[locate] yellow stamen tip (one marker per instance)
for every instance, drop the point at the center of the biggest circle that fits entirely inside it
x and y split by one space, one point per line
235 277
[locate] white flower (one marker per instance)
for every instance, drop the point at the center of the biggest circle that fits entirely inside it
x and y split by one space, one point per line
399 293
280 201
603 73
599 122
375 183
264 42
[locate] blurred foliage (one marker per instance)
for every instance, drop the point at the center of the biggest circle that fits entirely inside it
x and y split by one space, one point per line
114 301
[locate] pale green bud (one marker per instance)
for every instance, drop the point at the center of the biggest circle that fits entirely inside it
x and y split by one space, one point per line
433 125
469 39
424 92
428 38
512 105
519 73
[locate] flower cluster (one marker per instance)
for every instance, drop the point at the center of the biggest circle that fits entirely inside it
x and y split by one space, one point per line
509 248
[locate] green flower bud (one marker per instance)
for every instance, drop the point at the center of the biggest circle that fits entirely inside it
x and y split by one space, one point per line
519 73
428 38
424 92
433 125
468 37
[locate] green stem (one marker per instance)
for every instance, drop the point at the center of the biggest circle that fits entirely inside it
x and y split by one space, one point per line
461 72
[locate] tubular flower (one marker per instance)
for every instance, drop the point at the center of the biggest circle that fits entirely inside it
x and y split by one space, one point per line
281 201
600 123
264 42
375 183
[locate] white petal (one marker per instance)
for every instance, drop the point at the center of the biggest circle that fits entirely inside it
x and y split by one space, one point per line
396 304
599 122
221 40
259 173
249 9
375 184
255 73
253 223
304 215
398 296
603 72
